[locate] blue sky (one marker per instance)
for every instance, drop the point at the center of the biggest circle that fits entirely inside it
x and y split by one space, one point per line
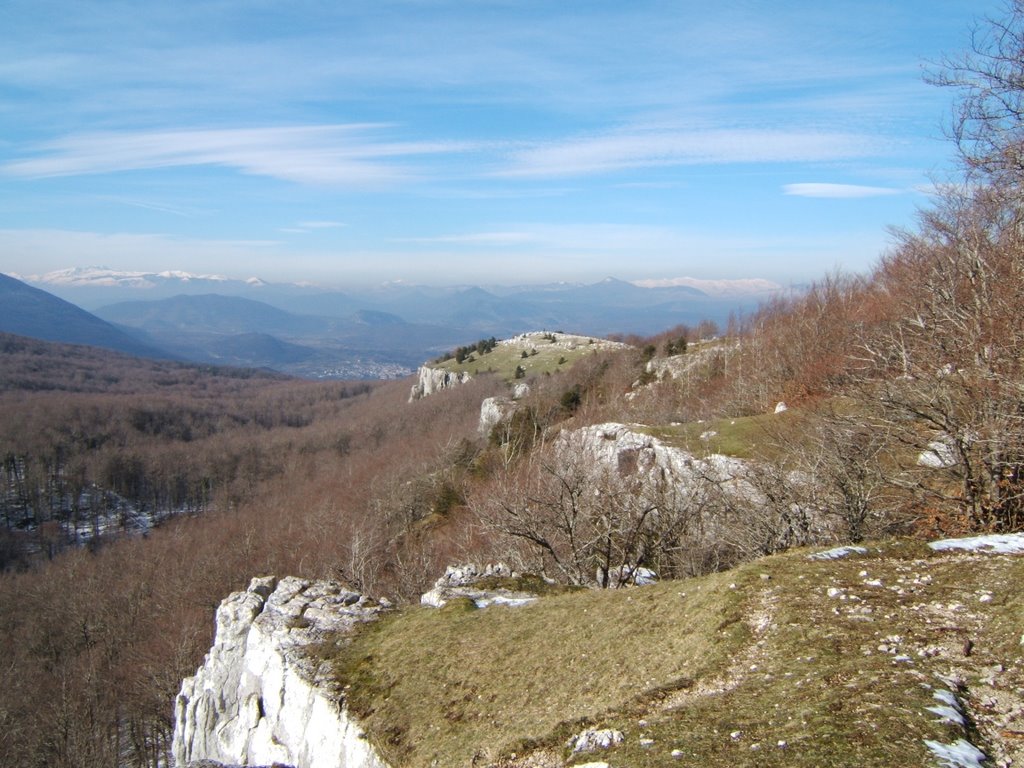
485 141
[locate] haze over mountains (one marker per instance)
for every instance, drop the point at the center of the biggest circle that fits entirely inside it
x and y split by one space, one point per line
376 332
28 311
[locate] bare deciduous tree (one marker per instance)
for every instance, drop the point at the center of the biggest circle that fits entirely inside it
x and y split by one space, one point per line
988 118
946 364
588 522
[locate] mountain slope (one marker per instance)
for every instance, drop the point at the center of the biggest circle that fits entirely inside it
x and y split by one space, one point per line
258 349
28 311
211 313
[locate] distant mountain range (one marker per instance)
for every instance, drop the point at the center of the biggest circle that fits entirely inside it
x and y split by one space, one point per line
231 330
375 332
608 306
28 311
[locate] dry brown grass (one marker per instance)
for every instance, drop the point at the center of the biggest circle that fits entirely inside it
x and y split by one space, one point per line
722 668
454 684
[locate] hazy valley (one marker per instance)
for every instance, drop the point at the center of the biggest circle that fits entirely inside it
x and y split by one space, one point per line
381 332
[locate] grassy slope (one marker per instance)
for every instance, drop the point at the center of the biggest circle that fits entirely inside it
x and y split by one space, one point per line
687 664
551 356
743 436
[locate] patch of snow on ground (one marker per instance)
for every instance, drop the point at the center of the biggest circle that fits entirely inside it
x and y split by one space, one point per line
837 553
949 709
960 754
1000 544
513 602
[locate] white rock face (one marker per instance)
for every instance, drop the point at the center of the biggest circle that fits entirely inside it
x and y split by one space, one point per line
433 380
258 699
492 411
618 447
619 455
627 576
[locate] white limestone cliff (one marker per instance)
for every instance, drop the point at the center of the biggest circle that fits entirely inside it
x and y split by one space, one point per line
259 698
431 380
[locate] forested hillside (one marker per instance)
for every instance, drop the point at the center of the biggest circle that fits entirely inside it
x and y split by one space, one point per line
295 477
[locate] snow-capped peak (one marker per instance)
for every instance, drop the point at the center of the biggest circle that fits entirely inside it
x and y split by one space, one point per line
741 287
104 276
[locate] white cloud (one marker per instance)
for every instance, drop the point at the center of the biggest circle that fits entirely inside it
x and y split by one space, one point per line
638 149
616 245
312 154
839 191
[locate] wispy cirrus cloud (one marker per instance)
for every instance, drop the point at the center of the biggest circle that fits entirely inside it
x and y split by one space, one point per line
839 191
643 148
585 238
312 154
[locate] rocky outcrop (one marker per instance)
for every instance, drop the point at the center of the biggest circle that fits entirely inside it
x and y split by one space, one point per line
567 341
464 581
260 698
431 380
630 452
494 410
